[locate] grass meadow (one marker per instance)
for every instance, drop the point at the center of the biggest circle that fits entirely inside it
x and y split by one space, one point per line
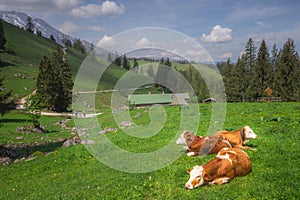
73 173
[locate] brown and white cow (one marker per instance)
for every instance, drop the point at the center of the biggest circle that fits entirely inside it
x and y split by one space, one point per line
202 145
239 138
229 163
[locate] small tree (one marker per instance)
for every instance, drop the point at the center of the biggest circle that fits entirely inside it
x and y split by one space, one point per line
6 103
2 36
78 46
52 38
126 64
33 108
29 26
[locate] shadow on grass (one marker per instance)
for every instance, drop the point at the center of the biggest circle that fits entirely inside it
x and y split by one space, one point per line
25 150
6 64
13 120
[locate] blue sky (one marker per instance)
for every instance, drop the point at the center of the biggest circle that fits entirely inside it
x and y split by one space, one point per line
221 27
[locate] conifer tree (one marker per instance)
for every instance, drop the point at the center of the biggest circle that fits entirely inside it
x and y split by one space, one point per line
240 85
135 63
29 26
288 73
2 36
249 62
63 80
227 78
126 64
262 73
45 83
5 102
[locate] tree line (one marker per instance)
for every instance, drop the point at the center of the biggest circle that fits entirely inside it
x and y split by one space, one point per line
77 44
247 79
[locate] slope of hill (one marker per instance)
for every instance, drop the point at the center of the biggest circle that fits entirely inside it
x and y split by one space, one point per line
19 19
20 70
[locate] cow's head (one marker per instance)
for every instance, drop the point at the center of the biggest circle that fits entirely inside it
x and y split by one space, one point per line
196 177
248 133
186 138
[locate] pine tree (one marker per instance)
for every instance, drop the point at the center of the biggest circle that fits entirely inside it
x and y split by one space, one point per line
262 73
135 63
239 84
117 61
45 84
5 102
29 26
126 64
63 80
288 73
249 62
227 72
52 38
78 46
2 36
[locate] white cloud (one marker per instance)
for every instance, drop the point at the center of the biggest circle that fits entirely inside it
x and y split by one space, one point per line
96 28
106 42
260 23
106 8
63 4
225 55
218 34
144 42
69 27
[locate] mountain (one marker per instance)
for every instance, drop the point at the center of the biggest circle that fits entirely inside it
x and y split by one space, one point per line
20 20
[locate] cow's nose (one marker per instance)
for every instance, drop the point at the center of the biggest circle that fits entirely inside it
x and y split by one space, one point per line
188 186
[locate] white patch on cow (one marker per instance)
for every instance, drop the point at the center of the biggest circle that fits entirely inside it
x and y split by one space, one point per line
226 180
232 152
249 134
190 154
228 143
195 174
180 141
226 156
206 138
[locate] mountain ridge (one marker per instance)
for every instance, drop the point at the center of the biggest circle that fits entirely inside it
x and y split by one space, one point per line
19 19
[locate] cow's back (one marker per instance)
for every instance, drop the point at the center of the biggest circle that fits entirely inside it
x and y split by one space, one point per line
240 160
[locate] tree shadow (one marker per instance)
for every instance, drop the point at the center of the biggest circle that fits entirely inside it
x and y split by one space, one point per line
25 150
6 64
13 120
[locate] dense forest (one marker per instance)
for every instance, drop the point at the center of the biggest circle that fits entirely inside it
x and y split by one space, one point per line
248 78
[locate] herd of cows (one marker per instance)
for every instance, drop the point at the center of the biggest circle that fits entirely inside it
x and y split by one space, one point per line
231 161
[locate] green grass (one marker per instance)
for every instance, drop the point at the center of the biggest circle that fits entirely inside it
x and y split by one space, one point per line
73 173
13 120
29 50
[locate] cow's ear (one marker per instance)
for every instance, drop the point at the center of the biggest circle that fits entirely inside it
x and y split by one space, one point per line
188 171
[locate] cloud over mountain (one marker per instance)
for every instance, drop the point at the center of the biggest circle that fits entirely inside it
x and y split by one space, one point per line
106 8
218 34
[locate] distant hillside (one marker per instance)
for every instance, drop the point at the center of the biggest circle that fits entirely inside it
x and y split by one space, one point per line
19 19
21 69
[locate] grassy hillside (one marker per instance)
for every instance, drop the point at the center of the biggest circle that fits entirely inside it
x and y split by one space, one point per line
73 173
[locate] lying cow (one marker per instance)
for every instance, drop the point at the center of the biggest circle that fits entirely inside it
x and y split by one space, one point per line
200 145
239 138
229 163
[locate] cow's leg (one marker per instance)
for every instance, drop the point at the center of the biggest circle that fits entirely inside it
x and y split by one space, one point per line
192 153
245 147
220 181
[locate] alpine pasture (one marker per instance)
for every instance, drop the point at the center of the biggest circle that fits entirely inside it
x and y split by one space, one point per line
43 169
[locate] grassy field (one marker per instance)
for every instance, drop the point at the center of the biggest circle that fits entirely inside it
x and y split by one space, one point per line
73 173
